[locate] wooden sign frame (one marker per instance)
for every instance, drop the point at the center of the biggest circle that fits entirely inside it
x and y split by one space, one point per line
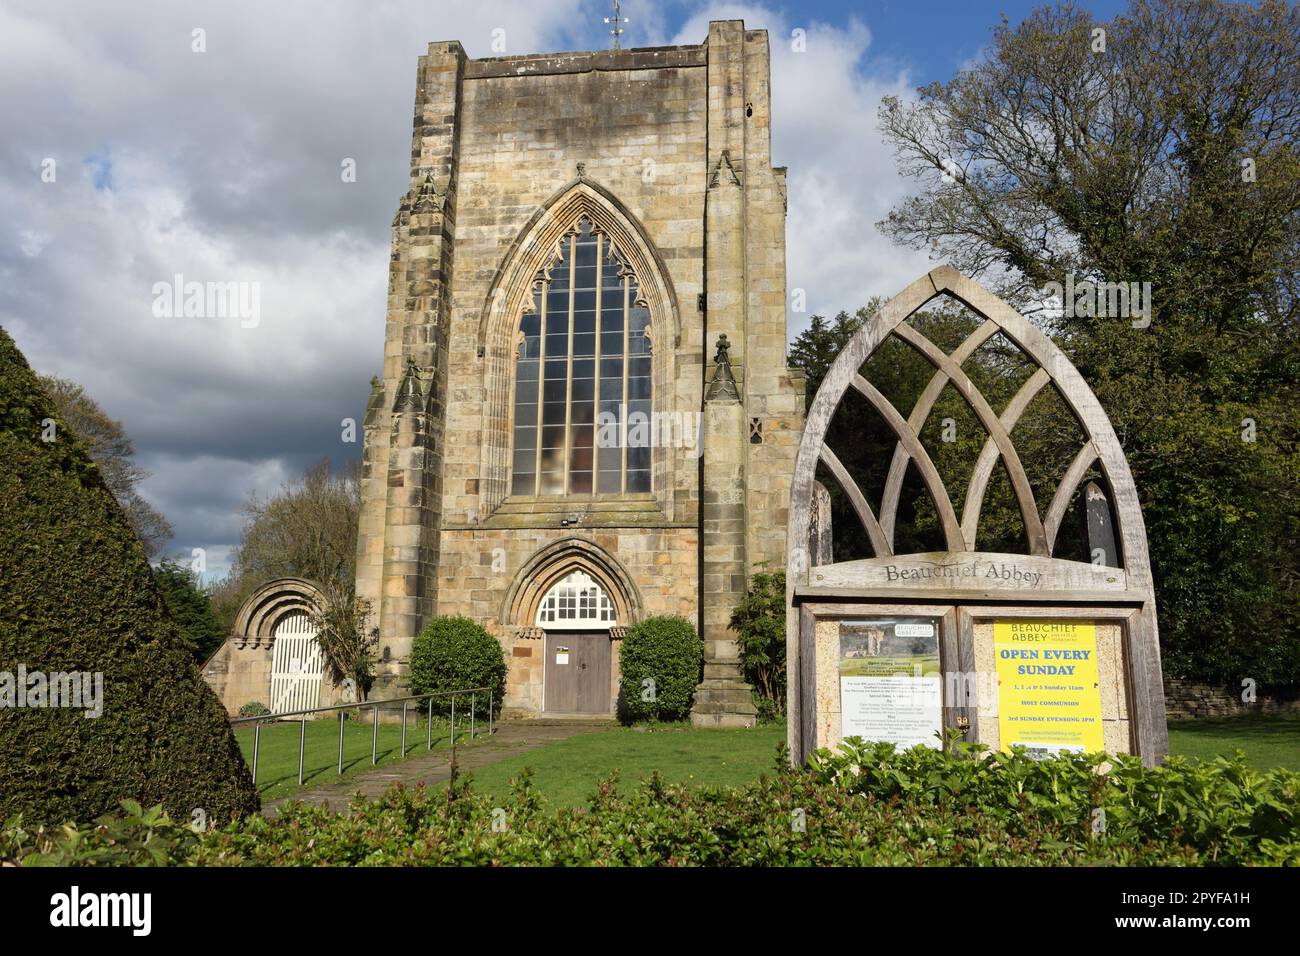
974 584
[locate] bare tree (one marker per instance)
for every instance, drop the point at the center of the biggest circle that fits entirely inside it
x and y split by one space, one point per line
113 452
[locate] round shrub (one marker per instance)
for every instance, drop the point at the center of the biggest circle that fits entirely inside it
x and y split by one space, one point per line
456 653
659 666
254 708
79 597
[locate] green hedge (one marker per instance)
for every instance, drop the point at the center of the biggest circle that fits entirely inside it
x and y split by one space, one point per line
456 653
659 669
868 807
78 595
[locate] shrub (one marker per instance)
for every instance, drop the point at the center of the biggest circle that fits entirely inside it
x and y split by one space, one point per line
667 652
888 808
456 653
79 596
759 622
190 607
254 708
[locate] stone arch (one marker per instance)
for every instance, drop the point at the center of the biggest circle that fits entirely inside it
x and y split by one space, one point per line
554 562
267 606
511 292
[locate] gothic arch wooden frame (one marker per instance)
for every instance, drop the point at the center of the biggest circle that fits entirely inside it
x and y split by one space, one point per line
511 293
1067 582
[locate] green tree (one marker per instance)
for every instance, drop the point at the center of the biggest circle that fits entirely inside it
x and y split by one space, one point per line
1166 150
198 626
79 597
347 638
759 623
307 530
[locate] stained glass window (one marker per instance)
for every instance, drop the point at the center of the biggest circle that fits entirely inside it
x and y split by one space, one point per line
583 368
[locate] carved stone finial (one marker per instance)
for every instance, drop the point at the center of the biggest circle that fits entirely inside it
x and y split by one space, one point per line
722 387
426 193
582 170
408 391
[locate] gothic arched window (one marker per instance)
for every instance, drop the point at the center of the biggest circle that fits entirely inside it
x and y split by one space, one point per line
584 351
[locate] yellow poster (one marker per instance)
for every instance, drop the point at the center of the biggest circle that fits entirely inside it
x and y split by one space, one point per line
1049 697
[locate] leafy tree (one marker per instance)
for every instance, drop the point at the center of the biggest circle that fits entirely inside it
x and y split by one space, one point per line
347 638
307 530
113 452
759 622
198 626
1168 153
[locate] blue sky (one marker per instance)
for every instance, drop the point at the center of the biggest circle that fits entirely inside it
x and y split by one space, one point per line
932 38
225 166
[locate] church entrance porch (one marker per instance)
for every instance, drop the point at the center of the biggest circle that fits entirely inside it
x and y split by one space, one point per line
578 674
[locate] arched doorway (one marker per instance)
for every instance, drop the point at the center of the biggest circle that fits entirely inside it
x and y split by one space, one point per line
297 664
575 616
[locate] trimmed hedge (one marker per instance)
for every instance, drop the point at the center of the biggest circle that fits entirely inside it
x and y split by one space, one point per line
79 596
659 669
919 808
456 653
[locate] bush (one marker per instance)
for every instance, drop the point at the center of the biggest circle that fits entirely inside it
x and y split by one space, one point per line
456 653
759 622
190 607
79 596
254 708
870 806
666 651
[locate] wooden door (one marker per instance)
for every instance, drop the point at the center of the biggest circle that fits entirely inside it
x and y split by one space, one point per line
577 672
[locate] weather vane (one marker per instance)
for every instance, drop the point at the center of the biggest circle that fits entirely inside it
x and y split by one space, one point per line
617 20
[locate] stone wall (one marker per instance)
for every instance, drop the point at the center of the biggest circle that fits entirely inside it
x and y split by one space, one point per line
1184 699
667 151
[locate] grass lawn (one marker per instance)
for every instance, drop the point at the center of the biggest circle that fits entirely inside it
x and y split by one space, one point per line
1269 740
567 772
277 762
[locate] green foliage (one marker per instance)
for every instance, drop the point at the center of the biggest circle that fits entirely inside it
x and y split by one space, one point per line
308 529
659 668
1171 159
1222 810
254 708
347 638
868 806
200 629
79 596
456 653
759 623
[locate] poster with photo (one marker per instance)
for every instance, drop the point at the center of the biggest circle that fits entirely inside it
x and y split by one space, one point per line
890 680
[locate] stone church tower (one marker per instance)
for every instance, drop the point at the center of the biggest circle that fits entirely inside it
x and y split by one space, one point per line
581 232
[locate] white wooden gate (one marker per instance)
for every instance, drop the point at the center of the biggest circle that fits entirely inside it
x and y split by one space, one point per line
296 665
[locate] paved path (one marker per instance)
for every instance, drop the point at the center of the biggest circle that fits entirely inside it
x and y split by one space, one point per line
512 737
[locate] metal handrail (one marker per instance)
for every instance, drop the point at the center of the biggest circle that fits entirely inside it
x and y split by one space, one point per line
302 715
